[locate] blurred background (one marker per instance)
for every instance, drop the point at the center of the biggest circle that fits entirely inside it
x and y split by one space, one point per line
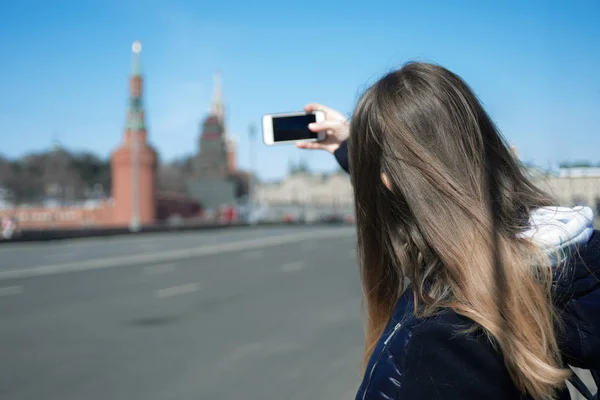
152 247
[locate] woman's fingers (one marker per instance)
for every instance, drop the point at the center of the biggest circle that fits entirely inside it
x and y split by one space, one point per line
330 113
316 107
327 146
324 125
335 126
309 145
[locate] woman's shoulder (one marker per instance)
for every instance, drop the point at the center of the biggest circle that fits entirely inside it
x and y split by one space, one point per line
448 334
448 323
448 357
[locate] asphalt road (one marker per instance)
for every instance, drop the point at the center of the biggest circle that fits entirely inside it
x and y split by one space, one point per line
270 313
258 313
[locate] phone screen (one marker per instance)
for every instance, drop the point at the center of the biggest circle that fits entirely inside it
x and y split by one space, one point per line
293 128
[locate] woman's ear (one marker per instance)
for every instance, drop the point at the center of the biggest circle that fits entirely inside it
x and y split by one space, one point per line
386 181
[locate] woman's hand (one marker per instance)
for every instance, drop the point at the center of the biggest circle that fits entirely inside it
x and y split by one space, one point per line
335 126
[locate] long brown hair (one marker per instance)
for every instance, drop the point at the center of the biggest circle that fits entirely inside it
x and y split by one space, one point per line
447 220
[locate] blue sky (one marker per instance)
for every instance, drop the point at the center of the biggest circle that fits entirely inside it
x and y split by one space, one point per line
64 67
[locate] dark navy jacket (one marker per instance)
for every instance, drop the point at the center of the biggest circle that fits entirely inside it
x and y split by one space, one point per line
431 359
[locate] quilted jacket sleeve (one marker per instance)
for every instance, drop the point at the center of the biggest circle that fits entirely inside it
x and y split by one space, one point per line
442 363
341 155
577 297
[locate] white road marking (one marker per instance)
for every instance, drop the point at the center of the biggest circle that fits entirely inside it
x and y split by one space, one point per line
177 290
159 269
292 266
252 255
10 290
173 255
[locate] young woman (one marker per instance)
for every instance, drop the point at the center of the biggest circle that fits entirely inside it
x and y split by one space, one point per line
468 270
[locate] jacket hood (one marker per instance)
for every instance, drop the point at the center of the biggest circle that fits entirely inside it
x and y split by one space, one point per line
569 234
560 228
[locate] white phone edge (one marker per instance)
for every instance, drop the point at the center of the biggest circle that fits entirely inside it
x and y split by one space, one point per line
267 128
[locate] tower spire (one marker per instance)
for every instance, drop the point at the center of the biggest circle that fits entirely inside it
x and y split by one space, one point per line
135 115
217 107
136 48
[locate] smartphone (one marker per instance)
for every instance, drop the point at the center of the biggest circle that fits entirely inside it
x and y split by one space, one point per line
291 127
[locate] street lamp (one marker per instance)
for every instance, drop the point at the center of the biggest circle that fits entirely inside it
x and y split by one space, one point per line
134 223
251 183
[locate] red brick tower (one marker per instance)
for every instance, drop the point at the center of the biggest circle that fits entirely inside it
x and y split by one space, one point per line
134 162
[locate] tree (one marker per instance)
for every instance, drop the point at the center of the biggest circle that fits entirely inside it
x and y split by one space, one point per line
242 181
55 174
172 178
24 181
575 164
301 168
581 164
92 171
64 176
186 164
6 170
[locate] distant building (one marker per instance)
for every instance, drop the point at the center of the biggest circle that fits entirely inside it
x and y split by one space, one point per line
304 188
569 185
212 184
579 172
573 186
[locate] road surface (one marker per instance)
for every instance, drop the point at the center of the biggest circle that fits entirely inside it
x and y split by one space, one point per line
257 313
265 313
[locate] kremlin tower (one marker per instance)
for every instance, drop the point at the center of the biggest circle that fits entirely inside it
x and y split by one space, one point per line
215 146
134 162
214 165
